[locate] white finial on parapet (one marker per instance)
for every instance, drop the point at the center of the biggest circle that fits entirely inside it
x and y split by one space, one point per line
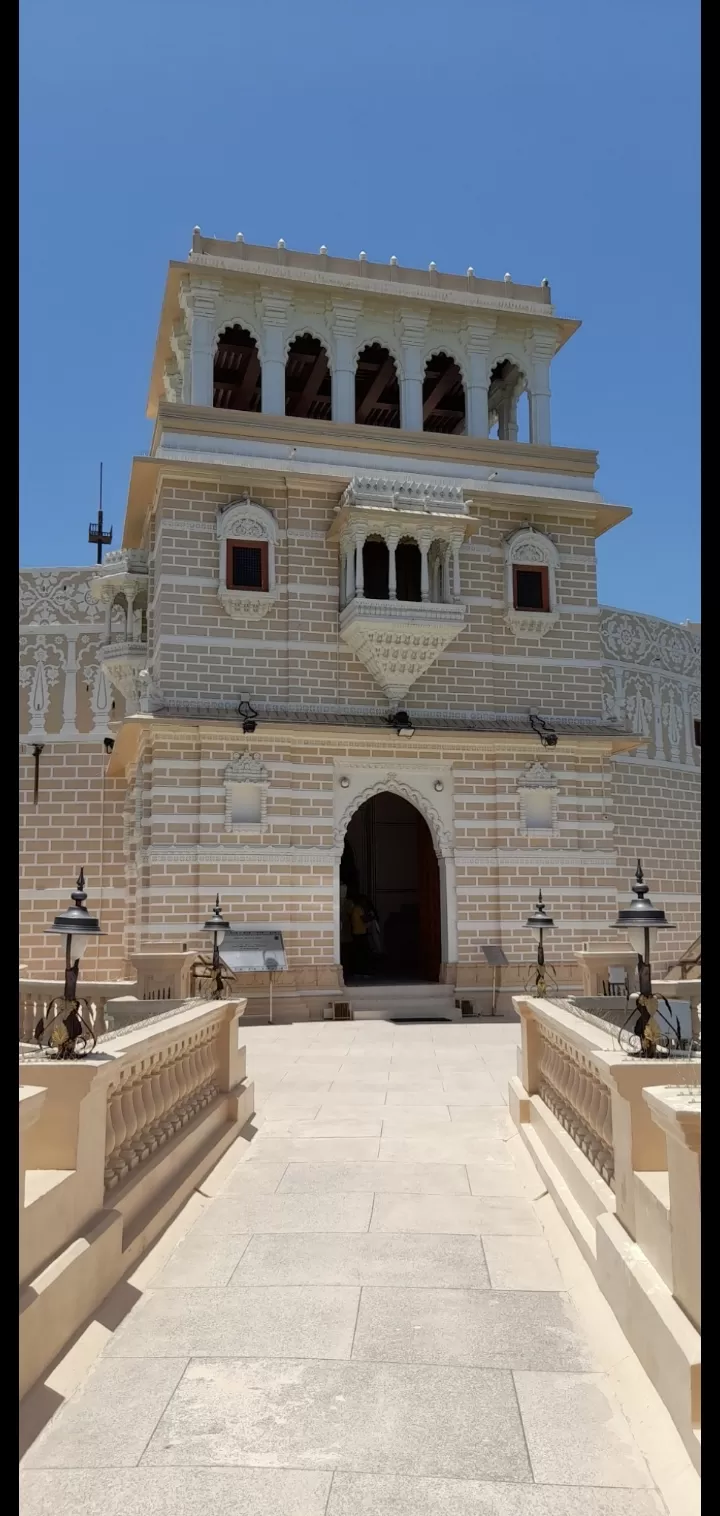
239 237
432 268
281 244
363 257
323 249
393 261
196 231
545 284
508 279
471 272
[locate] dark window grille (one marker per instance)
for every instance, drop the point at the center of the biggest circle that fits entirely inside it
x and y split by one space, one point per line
247 566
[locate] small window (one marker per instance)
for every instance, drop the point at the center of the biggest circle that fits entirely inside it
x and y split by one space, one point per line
696 725
530 589
247 565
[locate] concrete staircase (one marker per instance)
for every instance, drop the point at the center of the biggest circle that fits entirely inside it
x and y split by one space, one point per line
403 1002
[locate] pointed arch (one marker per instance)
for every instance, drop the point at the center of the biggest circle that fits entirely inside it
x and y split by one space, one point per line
236 370
377 387
444 408
442 841
308 384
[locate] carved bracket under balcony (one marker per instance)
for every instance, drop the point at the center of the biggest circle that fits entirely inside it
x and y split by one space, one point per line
399 640
125 664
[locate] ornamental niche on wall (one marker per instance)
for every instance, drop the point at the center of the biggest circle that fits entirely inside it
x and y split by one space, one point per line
247 536
246 786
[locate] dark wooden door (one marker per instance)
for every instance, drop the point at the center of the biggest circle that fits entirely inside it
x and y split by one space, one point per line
429 903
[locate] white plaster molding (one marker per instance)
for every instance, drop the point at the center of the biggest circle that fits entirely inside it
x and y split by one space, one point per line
405 494
533 548
246 769
245 519
537 777
388 780
398 640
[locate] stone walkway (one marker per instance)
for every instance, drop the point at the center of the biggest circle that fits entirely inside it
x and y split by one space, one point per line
367 1319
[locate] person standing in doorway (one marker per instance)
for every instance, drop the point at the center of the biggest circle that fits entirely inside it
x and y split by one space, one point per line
361 946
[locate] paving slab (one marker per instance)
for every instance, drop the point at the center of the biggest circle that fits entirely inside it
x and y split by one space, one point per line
287 1213
256 1178
201 1261
390 1495
367 1258
530 1267
575 1434
486 1328
478 1215
383 1418
256 1322
174 1492
441 1147
111 1417
376 1176
314 1148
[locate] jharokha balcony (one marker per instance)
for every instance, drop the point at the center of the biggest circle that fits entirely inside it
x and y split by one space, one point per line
400 602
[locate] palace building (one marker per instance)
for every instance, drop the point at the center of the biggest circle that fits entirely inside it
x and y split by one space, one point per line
350 650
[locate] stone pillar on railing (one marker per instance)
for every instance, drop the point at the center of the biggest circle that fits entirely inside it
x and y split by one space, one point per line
676 1112
638 1142
32 1099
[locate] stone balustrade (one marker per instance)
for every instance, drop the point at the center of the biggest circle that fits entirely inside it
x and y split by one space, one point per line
619 1152
579 1100
110 1146
151 1099
36 994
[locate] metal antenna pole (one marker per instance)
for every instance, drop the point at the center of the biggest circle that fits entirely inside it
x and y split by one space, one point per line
95 532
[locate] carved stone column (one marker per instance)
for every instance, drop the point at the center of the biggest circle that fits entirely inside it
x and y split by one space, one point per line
273 311
392 542
477 341
200 305
69 710
543 350
344 328
412 330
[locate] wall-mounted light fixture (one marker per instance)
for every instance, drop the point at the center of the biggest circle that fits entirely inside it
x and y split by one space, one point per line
249 715
344 782
542 729
108 744
402 724
439 786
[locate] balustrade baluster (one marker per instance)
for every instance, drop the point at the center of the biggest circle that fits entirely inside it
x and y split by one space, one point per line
140 1140
174 1111
129 1158
149 1105
181 1076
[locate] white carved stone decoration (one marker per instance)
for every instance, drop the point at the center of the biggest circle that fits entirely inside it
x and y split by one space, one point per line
246 770
644 651
441 834
245 520
395 493
48 597
537 780
123 663
399 640
535 549
40 676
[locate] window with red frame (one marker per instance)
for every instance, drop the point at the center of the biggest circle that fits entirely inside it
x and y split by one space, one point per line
531 588
247 565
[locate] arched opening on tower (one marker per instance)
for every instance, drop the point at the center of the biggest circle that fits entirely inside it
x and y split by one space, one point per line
443 396
307 379
508 404
390 904
236 371
377 392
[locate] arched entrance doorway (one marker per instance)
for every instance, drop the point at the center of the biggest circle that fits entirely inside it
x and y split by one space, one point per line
389 872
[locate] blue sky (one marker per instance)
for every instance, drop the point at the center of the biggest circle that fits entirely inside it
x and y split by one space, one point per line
544 137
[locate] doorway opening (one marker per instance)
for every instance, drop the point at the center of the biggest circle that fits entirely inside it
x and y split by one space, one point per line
389 896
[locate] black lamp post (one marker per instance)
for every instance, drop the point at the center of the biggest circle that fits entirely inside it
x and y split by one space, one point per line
218 926
640 922
64 1027
539 922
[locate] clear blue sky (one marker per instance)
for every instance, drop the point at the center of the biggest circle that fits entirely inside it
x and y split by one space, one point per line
550 138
